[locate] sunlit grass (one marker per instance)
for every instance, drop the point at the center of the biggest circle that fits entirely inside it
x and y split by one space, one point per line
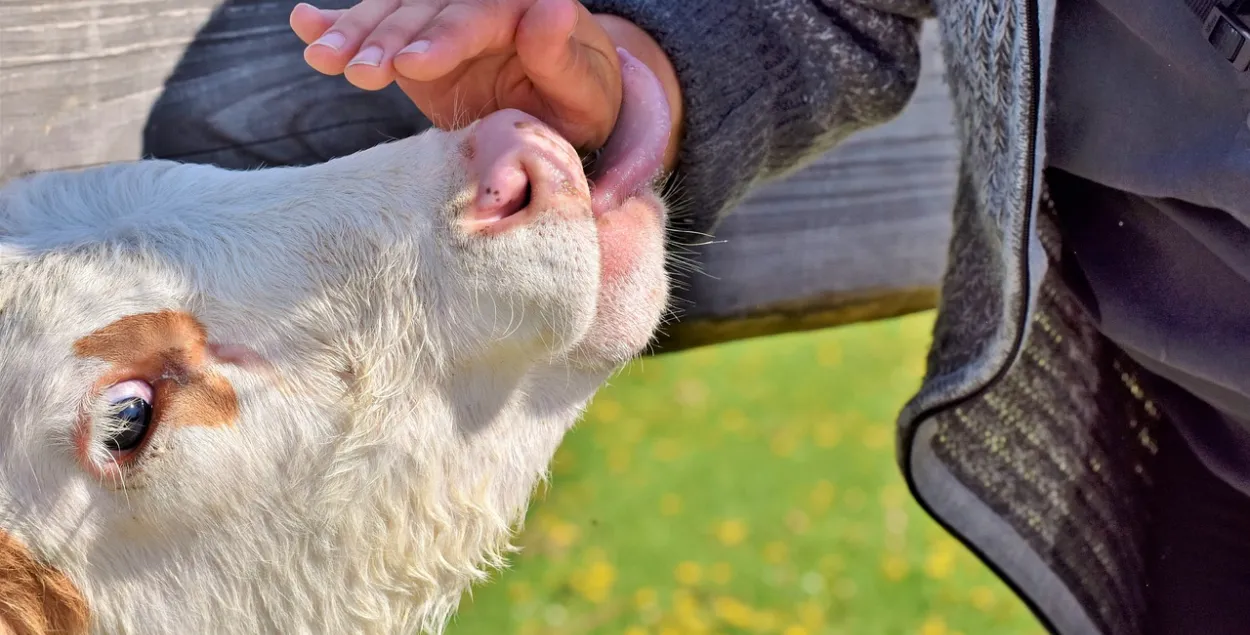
746 488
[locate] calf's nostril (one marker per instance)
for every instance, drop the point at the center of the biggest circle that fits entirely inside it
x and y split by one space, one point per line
526 197
517 164
501 197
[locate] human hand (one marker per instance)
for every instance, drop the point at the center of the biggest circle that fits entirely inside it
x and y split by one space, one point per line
459 60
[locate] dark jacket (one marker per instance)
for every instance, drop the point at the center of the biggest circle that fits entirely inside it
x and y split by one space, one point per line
1032 438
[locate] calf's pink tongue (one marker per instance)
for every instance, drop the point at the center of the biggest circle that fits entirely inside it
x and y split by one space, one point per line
634 154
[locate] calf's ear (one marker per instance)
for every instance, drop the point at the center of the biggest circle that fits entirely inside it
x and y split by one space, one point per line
36 599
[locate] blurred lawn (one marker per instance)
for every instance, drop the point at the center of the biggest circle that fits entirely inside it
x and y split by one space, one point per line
746 488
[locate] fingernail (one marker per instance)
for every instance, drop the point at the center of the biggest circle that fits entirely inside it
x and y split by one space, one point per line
333 40
371 56
420 46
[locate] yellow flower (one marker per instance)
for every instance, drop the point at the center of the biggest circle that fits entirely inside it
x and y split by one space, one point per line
721 573
939 564
876 437
645 598
776 552
670 505
564 462
784 443
733 421
683 600
933 625
822 496
915 368
733 612
606 410
894 568
812 614
731 532
686 612
545 520
519 592
688 573
666 450
982 598
766 621
827 434
562 534
829 354
595 582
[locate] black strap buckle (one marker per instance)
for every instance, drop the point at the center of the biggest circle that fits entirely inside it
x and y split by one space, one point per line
1224 29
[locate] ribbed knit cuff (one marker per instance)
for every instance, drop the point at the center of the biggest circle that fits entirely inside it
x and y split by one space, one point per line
718 159
767 88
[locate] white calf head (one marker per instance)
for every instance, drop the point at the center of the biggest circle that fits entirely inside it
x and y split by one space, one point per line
302 399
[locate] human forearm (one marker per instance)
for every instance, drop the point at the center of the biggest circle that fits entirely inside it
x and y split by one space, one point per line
764 89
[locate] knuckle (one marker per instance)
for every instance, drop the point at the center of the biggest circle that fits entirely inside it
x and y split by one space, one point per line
387 34
365 16
350 25
401 25
458 16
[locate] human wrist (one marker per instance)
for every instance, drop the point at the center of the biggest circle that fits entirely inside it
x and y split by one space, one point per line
626 35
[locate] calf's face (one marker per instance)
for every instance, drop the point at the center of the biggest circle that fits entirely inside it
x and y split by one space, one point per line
308 399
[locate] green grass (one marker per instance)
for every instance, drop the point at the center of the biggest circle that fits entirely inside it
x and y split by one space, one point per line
746 488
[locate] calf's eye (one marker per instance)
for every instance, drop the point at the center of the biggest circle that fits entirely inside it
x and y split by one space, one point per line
130 415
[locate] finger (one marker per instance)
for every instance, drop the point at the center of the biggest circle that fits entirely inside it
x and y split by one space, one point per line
460 32
574 67
309 22
371 67
330 53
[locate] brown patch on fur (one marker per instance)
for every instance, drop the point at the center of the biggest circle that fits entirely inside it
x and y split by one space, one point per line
36 599
169 350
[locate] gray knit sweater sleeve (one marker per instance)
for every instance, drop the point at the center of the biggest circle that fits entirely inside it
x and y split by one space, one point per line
770 84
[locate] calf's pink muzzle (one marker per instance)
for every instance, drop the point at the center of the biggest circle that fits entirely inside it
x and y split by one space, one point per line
521 168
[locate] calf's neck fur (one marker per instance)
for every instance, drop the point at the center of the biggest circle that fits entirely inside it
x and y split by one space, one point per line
389 387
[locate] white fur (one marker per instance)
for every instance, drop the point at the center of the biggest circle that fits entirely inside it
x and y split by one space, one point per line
424 379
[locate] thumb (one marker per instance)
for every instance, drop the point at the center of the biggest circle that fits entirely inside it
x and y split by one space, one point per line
574 68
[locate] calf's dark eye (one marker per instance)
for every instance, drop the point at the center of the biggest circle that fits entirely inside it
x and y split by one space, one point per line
132 422
130 415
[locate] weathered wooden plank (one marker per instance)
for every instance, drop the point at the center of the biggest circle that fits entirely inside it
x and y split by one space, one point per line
84 82
860 234
77 78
